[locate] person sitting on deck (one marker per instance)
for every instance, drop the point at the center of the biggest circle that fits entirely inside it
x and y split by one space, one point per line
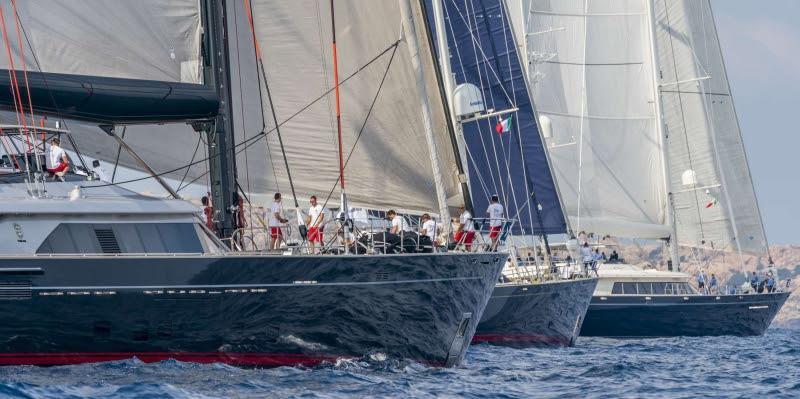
495 214
399 224
428 228
754 282
614 257
465 230
59 161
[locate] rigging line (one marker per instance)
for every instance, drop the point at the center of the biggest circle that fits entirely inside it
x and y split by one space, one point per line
180 184
338 103
472 35
119 152
483 95
364 124
18 105
584 105
264 133
27 85
257 55
241 106
323 58
685 131
260 62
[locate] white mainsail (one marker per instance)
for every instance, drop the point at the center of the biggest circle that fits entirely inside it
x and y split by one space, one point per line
715 204
595 82
592 80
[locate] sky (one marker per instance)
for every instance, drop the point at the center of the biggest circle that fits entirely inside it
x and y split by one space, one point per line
761 46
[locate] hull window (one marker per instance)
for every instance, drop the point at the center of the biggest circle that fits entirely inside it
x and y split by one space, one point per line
122 238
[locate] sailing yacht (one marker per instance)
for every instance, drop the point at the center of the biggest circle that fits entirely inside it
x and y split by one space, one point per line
500 143
641 127
91 271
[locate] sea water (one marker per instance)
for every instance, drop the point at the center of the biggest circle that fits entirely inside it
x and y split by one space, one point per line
767 366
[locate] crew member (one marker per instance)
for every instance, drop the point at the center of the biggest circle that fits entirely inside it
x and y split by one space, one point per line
399 224
316 216
208 214
276 222
754 282
465 231
701 281
495 214
59 161
587 257
429 228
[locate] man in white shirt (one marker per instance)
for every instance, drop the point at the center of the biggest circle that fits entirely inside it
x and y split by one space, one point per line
399 224
99 173
588 258
316 215
276 222
428 228
465 232
59 161
495 214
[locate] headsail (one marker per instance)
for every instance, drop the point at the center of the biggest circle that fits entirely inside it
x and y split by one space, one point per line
391 156
592 80
715 204
505 154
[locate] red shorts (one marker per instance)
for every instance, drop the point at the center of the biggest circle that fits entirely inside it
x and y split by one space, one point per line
275 232
314 234
468 237
494 231
59 168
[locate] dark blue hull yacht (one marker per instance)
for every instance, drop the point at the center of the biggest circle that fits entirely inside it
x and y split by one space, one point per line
643 303
543 314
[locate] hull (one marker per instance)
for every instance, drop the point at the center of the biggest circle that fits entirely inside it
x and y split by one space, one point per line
535 315
670 316
242 310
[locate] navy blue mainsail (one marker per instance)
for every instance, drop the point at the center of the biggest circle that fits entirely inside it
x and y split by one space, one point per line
505 153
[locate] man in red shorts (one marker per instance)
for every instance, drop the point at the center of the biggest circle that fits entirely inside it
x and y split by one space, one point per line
495 215
465 232
59 161
315 217
276 222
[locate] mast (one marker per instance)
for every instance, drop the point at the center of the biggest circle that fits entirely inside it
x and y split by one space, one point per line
445 76
662 141
409 31
220 132
343 200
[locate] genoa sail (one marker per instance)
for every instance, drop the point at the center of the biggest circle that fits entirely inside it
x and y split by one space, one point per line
714 201
505 154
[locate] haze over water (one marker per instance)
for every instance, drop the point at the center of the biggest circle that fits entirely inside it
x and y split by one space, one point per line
767 366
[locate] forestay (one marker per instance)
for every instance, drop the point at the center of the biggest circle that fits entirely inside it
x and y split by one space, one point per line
713 192
591 73
390 166
510 162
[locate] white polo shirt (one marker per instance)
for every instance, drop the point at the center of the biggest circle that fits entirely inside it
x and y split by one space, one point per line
316 214
56 155
495 212
466 221
430 229
400 223
277 207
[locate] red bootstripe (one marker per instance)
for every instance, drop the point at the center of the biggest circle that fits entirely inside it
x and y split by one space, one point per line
239 359
519 339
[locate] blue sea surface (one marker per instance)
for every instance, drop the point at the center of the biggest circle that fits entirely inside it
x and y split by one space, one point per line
767 366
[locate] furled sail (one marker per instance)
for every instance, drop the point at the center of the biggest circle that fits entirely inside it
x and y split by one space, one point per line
505 153
715 204
591 74
390 166
84 57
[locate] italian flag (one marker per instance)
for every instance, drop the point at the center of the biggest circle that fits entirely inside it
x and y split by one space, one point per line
711 203
503 125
